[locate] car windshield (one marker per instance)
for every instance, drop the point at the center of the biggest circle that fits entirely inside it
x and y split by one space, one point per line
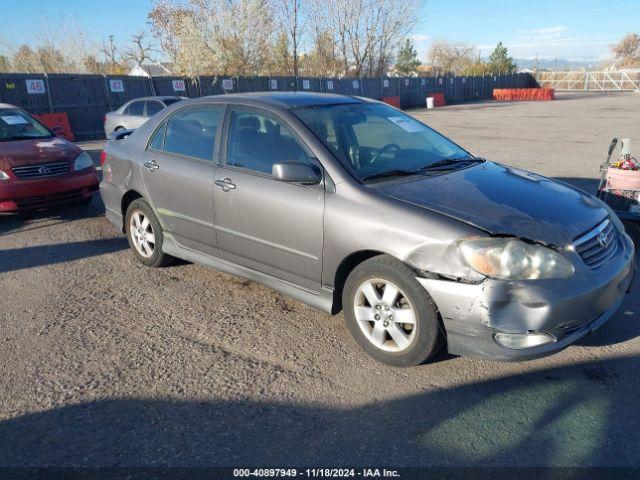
375 140
18 125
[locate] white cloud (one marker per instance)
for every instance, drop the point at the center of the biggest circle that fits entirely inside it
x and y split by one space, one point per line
420 38
542 34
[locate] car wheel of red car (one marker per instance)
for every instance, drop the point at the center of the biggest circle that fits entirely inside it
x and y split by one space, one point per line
144 234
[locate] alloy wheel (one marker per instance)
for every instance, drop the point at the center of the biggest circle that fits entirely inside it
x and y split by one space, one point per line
385 315
142 234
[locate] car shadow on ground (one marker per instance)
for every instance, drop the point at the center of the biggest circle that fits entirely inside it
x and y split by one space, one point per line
36 256
575 415
44 218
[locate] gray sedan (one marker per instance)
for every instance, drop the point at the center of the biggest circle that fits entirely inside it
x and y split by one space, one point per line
136 112
347 203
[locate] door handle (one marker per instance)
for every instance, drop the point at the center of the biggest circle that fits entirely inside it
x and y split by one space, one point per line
152 165
226 184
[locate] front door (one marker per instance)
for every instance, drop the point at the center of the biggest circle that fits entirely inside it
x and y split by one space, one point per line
262 223
177 170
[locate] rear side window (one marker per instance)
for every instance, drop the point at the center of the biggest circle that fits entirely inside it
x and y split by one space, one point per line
153 107
192 132
136 108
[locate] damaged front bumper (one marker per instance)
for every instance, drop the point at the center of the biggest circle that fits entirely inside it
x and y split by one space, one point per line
565 310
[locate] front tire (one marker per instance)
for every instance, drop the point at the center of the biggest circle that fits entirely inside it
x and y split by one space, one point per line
389 314
144 234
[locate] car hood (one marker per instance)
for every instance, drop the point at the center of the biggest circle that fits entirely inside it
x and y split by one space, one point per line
30 152
504 201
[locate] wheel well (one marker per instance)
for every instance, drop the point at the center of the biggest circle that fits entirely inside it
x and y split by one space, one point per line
344 269
127 198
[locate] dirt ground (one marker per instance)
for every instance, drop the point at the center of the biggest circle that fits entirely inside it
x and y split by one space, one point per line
104 362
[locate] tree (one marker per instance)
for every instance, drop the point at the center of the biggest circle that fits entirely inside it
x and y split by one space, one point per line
627 51
366 33
450 58
290 17
5 64
476 69
140 51
500 61
407 63
25 60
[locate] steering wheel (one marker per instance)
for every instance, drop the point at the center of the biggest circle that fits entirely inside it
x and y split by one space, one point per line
383 150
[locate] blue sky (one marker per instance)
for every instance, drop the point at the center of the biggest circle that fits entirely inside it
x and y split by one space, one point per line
570 29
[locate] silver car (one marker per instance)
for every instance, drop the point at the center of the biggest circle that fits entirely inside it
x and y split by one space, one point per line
348 203
136 112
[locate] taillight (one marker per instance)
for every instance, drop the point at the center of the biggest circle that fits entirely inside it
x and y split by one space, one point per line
103 157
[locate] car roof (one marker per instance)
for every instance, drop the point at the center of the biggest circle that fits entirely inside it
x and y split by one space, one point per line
285 100
158 97
7 105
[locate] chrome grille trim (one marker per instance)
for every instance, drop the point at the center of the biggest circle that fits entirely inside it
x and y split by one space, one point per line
33 171
598 245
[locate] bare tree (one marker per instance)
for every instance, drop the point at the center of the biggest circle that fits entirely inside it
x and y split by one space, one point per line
141 50
291 20
366 32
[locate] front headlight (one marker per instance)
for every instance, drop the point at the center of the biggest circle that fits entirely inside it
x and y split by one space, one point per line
3 176
83 161
513 259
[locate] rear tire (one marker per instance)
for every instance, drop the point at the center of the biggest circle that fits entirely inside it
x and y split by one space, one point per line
145 235
389 314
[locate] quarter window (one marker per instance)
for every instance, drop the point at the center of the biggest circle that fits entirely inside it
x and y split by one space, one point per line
153 108
192 133
257 141
157 142
136 108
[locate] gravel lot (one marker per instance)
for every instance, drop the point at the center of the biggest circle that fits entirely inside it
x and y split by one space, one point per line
106 362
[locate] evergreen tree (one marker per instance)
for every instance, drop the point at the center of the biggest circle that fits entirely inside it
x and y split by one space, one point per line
407 63
500 61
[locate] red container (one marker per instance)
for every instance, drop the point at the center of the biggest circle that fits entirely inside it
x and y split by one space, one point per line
394 101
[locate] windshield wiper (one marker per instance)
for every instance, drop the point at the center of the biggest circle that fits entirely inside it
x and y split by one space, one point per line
447 162
391 173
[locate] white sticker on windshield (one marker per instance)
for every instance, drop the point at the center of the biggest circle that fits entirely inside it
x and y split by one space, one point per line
407 124
14 119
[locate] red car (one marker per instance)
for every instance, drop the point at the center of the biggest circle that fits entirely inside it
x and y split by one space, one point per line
37 168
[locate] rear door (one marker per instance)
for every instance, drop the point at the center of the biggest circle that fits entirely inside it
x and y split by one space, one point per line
133 115
177 170
265 224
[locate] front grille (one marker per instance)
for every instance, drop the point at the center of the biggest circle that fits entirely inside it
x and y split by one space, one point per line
46 200
43 170
598 245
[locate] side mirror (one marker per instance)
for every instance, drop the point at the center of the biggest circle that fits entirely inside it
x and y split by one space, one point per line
57 129
296 172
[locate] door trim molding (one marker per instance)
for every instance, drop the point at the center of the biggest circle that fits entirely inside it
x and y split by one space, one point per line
171 213
267 243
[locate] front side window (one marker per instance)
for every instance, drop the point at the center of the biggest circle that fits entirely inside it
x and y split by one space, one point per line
16 124
192 132
371 139
136 109
257 141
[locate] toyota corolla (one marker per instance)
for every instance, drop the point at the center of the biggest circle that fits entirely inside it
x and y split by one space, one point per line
37 168
346 203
